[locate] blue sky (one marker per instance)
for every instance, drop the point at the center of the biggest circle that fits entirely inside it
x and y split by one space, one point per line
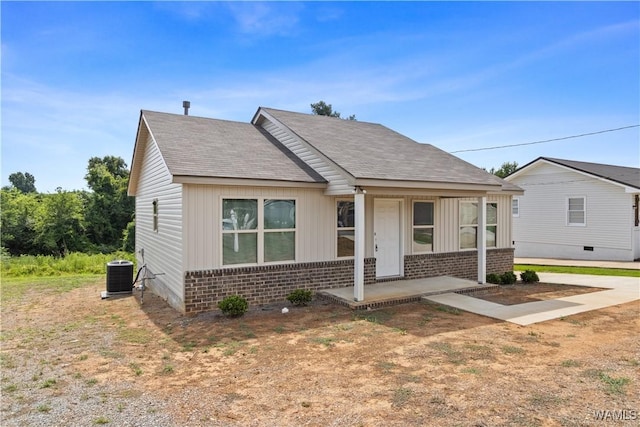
456 75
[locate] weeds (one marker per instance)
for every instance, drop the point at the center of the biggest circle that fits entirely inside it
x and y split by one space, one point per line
570 363
136 369
101 420
44 408
401 396
48 383
448 310
511 349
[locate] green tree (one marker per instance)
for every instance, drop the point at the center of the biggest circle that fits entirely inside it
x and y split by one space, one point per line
60 223
18 221
109 209
507 168
321 108
24 182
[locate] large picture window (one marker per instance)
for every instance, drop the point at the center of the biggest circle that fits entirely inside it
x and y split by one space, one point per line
469 225
345 228
423 227
256 231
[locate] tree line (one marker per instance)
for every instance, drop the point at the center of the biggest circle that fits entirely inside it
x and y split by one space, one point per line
96 221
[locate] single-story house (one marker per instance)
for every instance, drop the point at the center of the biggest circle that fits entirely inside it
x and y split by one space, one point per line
576 210
295 200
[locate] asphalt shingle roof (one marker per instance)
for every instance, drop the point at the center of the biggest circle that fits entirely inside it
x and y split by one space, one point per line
202 147
620 174
372 151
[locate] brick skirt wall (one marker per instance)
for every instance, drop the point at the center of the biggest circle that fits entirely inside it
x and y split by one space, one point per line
267 284
272 283
457 264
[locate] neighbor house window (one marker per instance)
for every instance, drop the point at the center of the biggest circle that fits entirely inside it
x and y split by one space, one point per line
345 228
515 207
256 231
155 215
469 225
576 210
423 227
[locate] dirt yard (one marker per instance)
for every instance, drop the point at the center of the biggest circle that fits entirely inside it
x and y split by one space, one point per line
74 359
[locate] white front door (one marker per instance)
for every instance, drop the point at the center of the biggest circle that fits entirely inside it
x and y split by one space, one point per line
386 237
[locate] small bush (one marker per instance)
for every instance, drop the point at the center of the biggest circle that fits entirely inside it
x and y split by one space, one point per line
508 278
300 297
529 276
494 278
233 306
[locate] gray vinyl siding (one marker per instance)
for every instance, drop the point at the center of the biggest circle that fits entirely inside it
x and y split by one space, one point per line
162 249
541 229
337 182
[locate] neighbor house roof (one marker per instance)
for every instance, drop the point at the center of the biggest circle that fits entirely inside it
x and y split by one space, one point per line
372 151
620 174
201 147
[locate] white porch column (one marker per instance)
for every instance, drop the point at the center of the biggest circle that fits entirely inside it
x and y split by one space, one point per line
482 240
358 262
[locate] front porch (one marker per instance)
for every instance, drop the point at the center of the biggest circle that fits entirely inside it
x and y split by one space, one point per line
400 291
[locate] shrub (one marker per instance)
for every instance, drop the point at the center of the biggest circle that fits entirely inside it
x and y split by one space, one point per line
529 276
494 278
300 297
508 278
233 305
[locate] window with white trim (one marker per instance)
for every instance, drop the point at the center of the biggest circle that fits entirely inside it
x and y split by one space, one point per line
345 228
154 215
468 217
515 207
576 211
258 231
423 224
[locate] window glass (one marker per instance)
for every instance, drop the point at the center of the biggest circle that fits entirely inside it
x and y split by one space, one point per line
468 213
279 214
468 237
346 239
515 207
576 211
492 213
239 248
239 214
346 214
423 213
279 246
422 240
491 235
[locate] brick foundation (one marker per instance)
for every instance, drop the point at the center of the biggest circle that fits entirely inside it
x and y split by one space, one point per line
457 264
262 285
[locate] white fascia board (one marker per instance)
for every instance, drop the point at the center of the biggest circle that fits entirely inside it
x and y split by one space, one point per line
187 179
478 188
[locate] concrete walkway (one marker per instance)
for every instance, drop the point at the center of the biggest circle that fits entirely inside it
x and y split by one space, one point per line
620 290
630 265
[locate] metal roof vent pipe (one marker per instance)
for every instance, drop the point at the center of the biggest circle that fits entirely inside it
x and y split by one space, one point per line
186 105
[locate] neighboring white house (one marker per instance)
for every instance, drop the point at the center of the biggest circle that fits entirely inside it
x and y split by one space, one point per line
576 210
296 200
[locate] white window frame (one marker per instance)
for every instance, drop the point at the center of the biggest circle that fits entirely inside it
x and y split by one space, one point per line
423 227
515 207
460 226
260 231
338 228
584 212
154 215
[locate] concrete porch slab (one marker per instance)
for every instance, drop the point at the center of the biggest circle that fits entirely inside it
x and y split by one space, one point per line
399 291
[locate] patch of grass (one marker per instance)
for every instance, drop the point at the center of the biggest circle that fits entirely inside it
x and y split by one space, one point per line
449 310
578 270
91 382
231 347
386 367
511 349
16 287
455 356
570 363
48 383
479 351
401 397
9 388
167 369
614 385
101 420
136 368
83 357
325 341
44 408
6 361
279 329
189 346
545 399
135 335
474 371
